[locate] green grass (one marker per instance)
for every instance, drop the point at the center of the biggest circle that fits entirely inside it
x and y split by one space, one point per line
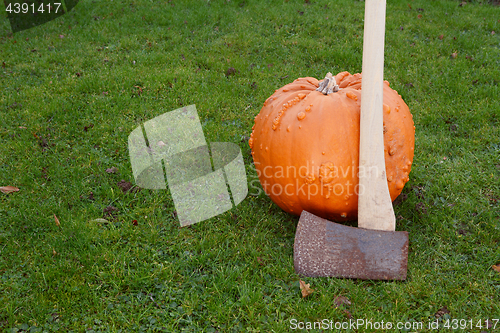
67 106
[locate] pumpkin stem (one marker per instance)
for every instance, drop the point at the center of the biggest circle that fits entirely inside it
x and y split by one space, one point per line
328 85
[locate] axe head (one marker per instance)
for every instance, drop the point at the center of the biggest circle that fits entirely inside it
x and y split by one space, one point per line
324 248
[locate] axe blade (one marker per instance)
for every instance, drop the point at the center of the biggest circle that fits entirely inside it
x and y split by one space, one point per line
324 248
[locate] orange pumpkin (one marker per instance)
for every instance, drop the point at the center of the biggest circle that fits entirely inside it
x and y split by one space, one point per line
305 145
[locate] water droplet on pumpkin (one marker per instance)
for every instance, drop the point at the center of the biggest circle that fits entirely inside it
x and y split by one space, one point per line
346 197
300 127
267 148
409 162
344 215
261 146
301 96
400 184
302 87
288 129
301 115
323 153
392 151
285 90
347 204
250 143
397 109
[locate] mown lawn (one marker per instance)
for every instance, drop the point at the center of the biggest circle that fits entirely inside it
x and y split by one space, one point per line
73 89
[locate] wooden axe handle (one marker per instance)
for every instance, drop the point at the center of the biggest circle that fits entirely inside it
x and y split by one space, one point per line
375 207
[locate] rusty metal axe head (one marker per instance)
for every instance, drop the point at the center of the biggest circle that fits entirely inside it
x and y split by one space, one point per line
324 248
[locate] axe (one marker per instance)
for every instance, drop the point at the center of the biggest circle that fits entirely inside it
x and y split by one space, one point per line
374 250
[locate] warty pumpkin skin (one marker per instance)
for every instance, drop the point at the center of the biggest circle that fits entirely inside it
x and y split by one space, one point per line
305 146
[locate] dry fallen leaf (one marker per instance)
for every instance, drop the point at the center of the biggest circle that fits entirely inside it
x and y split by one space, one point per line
139 90
496 268
54 252
109 210
57 220
341 300
230 71
305 288
8 189
441 312
112 170
99 220
126 186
